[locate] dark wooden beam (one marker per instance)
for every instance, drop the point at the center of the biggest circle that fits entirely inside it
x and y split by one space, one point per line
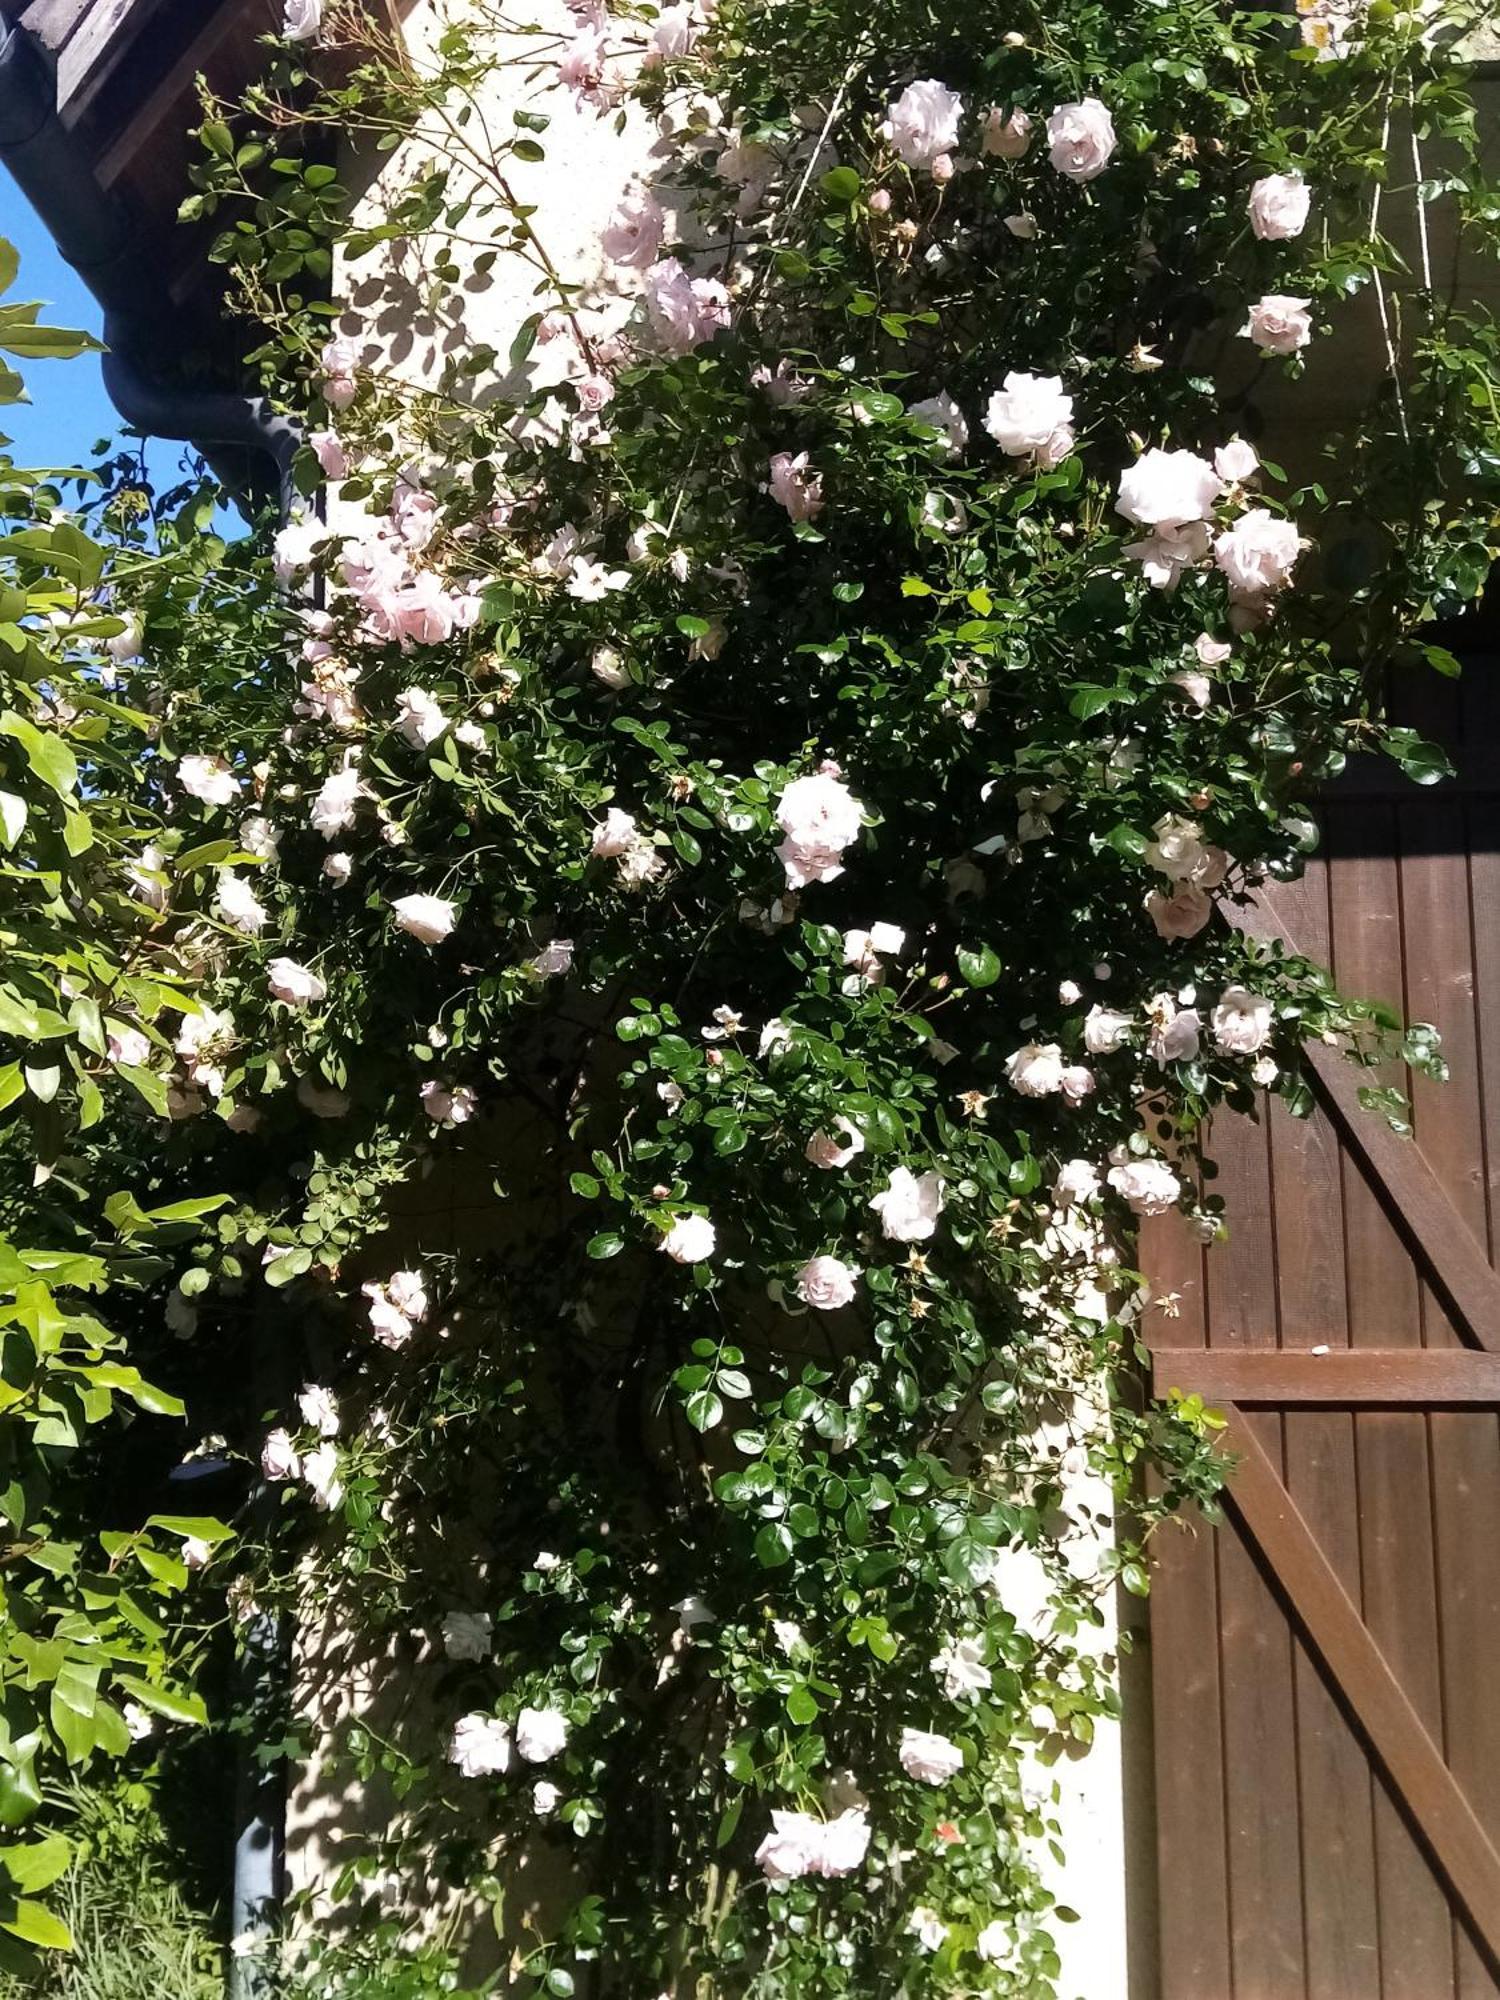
1348 1376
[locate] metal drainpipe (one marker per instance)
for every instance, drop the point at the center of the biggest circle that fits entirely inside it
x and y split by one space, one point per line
94 232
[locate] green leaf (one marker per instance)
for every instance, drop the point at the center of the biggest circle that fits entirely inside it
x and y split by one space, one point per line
979 966
584 1186
773 1546
840 184
704 1410
163 1701
609 1243
47 754
36 1865
35 1924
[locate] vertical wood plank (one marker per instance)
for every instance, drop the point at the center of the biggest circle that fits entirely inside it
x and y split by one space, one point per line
1256 1668
1336 1784
1396 1552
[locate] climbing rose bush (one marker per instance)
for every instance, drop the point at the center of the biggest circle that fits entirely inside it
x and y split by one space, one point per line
732 858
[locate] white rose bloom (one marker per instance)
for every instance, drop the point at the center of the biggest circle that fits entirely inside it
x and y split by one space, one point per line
540 1733
419 718
825 1151
826 1283
1241 1022
239 906
820 817
448 1105
993 1943
196 1552
319 1409
545 1798
909 1205
302 20
128 1046
923 122
138 1723
468 1635
945 417
1236 462
1211 652
607 666
690 1240
1257 556
1182 914
930 1930
1081 139
207 778
1036 1070
775 1036
1168 489
929 1758
1030 416
338 868
1197 688
788 1851
429 919
408 1293
960 1666
1105 1030
1078 1082
293 984
480 1746
633 234
1148 1186
614 836
1175 1030
1178 850
320 1471
1278 207
1279 324
1264 1072
278 1456
334 806
1077 1180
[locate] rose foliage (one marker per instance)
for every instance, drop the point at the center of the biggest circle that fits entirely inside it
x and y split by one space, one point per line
709 876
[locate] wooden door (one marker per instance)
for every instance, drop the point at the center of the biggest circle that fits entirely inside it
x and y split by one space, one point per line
1326 1664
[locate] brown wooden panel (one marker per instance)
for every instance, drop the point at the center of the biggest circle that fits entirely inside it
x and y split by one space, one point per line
1345 1376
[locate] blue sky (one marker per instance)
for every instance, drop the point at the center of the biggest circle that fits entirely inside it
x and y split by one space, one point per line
69 412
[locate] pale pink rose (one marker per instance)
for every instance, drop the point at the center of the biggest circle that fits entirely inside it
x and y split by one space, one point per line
429 919
674 33
594 392
1030 416
1036 1070
1149 1186
826 1283
419 717
1278 206
683 312
1236 462
293 984
1175 1030
1257 555
334 806
820 817
1077 1180
1081 138
1211 652
278 1456
301 20
633 234
1005 136
1182 914
1165 554
319 1409
414 515
909 1205
1177 849
446 1104
416 614
1105 1030
1242 1021
330 454
582 67
340 355
825 1151
127 1045
1078 1082
1197 688
1166 489
794 488
690 1240
923 122
339 391
1279 324
801 1845
781 385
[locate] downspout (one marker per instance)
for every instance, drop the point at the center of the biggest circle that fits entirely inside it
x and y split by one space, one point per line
95 233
